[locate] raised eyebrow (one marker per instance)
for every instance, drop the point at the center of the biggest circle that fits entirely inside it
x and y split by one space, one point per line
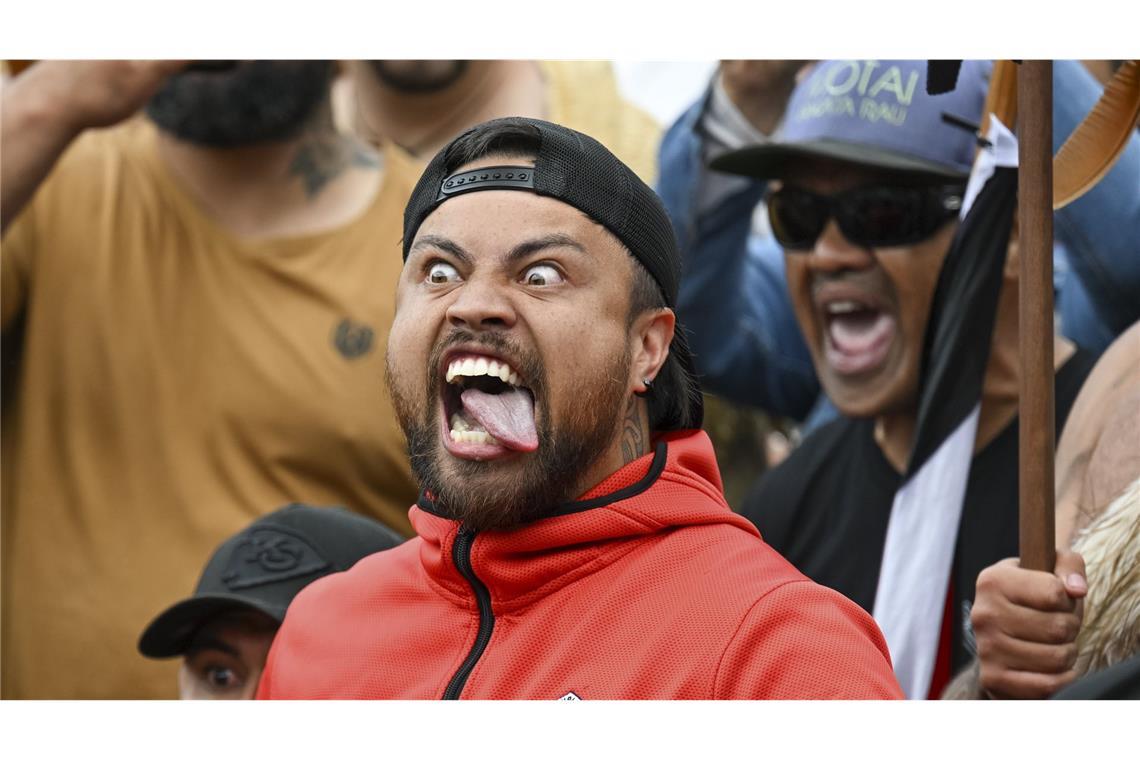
444 244
554 240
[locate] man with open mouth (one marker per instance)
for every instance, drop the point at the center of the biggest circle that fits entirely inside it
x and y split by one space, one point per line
869 179
573 538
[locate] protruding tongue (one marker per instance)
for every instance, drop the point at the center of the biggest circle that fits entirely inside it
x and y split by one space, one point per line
508 416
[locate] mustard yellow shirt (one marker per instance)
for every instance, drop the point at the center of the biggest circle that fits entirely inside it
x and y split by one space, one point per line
166 383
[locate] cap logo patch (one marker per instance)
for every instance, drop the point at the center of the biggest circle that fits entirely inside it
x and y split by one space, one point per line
269 555
882 94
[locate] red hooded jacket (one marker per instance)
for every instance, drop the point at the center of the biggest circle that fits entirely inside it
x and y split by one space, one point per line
648 587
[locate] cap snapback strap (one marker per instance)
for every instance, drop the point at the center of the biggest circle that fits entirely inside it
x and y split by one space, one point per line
487 178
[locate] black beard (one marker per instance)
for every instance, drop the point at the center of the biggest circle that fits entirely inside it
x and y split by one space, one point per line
418 80
550 476
243 104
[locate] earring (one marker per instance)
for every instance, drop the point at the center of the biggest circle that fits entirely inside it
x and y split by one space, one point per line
648 387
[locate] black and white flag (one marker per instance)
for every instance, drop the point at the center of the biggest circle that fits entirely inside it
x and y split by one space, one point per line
927 508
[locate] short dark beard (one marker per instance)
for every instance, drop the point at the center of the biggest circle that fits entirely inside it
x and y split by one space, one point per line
418 79
551 475
254 102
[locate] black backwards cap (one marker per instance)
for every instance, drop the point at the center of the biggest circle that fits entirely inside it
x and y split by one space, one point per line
579 171
264 566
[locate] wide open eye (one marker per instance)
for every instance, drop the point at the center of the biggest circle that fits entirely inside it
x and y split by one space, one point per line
541 275
441 273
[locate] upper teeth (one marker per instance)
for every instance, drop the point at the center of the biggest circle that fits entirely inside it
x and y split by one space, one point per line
482 366
844 307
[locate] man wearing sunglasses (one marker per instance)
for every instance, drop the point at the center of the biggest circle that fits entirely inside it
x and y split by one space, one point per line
868 181
763 361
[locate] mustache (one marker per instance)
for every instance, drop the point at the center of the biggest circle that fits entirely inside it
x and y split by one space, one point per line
872 280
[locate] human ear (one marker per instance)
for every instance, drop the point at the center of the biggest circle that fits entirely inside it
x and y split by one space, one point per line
651 333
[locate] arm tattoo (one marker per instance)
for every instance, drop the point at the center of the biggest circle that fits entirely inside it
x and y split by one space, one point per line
633 443
321 158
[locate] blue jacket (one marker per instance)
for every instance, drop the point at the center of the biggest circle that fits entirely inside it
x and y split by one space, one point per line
733 297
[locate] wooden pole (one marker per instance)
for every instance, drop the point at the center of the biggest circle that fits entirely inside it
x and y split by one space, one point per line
1035 222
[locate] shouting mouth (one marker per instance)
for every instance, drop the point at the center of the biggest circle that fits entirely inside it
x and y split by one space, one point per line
486 411
858 328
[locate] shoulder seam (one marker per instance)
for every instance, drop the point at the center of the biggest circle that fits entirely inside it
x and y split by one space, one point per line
740 626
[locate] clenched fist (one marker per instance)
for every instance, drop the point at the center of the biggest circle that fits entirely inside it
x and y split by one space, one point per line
1026 623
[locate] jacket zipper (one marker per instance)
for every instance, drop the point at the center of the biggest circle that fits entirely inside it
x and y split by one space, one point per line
461 555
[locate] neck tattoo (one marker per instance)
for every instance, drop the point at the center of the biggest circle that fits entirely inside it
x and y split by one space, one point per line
322 157
633 433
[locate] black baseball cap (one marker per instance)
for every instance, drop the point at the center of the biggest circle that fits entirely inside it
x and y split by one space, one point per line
579 171
264 566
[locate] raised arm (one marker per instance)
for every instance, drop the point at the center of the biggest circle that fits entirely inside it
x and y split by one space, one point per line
50 104
733 298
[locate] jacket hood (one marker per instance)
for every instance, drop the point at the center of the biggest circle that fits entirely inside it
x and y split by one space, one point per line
675 486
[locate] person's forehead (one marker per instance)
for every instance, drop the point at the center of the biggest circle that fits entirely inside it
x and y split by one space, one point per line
235 623
493 221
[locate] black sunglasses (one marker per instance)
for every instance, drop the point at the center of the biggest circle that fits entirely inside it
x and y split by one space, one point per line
874 216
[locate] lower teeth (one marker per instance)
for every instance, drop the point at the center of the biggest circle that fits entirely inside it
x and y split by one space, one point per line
472 436
462 432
